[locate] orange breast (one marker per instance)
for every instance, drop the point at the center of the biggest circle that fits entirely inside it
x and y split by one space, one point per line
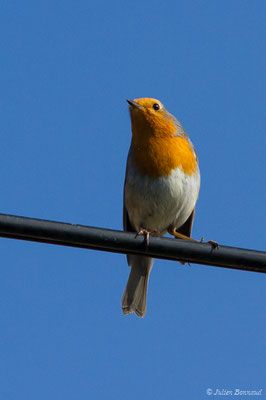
158 156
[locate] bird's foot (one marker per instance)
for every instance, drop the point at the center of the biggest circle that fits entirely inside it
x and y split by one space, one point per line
146 234
181 236
214 244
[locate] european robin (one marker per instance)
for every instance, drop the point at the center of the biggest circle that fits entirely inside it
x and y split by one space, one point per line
161 188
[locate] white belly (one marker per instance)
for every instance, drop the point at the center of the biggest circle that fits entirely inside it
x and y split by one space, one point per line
161 203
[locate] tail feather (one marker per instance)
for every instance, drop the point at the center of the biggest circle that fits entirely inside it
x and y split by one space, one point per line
135 295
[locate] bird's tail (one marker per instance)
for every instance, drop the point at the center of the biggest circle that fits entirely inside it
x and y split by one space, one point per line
134 298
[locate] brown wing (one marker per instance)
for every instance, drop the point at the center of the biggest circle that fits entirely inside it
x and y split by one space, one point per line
186 228
126 223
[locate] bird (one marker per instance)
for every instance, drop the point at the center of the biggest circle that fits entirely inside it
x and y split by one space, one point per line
161 189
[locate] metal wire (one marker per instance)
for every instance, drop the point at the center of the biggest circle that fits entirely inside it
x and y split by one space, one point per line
60 233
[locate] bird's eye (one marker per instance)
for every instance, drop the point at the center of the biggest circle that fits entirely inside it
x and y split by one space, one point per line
156 106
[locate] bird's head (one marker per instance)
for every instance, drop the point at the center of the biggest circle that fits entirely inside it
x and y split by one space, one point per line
150 118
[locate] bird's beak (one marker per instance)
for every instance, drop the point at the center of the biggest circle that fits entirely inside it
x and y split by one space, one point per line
133 104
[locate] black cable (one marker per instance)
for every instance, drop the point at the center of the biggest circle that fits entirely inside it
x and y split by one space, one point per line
60 233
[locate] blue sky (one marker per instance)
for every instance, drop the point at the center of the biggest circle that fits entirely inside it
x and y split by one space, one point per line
66 70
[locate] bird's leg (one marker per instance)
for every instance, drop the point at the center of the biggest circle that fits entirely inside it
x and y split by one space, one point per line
173 232
178 235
